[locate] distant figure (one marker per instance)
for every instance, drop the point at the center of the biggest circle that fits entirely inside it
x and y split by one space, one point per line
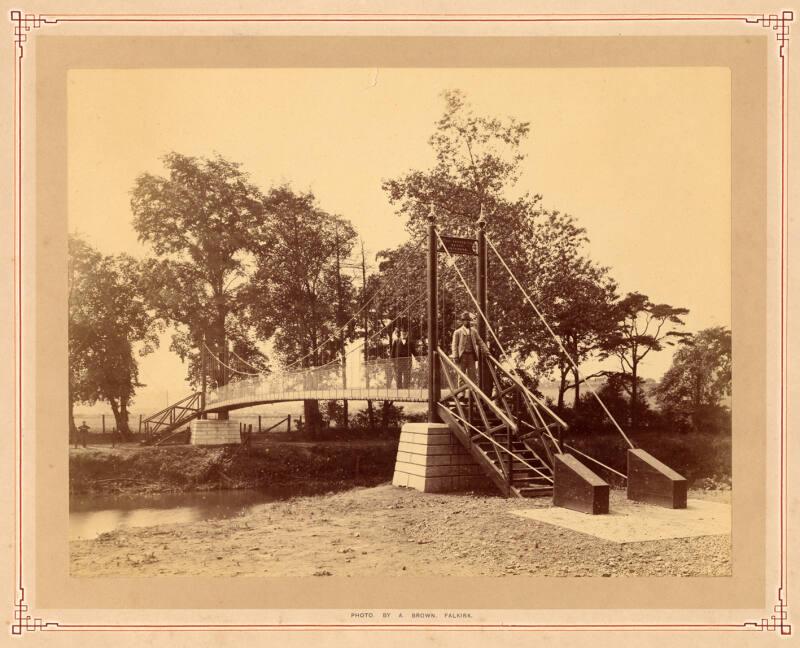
466 346
83 433
401 354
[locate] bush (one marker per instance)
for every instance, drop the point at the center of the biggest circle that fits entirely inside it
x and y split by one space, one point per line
393 413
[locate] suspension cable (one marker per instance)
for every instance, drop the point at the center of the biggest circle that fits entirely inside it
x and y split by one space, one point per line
243 361
332 336
387 325
597 461
243 373
558 342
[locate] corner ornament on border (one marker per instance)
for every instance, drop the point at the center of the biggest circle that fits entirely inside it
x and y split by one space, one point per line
25 23
778 621
778 23
23 621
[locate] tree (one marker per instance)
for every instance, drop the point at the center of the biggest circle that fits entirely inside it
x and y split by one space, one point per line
478 166
200 221
108 318
578 298
296 291
700 376
82 260
641 327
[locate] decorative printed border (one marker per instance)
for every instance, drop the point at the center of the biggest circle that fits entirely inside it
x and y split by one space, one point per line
25 23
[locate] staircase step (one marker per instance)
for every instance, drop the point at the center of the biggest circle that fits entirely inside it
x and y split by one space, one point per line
535 491
531 480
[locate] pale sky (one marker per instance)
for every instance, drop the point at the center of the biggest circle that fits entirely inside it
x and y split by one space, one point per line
641 156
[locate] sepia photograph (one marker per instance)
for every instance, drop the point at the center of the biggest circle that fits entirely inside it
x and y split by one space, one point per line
455 322
388 322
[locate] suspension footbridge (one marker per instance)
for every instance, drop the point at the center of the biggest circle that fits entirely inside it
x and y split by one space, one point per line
503 427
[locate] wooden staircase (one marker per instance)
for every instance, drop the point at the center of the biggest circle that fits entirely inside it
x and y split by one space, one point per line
521 474
167 425
518 461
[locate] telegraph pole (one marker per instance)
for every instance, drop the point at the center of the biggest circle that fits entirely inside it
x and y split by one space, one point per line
203 385
480 277
434 387
339 324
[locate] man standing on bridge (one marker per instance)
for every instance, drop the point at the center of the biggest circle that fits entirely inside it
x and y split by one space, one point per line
466 346
401 354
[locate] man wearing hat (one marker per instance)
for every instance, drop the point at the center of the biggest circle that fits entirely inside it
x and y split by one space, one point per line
466 346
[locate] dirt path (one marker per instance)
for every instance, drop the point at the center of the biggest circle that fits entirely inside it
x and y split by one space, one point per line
391 531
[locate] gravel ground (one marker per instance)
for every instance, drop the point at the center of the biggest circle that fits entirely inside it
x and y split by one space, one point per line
386 530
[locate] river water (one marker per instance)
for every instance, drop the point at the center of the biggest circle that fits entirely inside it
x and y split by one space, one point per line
91 515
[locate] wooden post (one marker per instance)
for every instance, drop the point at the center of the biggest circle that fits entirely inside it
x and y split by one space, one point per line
434 388
510 473
104 423
259 422
301 423
140 424
289 422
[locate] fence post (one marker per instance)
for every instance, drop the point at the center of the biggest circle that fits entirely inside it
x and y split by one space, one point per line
289 423
104 423
259 422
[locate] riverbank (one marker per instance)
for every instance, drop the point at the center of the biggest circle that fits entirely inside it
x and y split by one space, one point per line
387 530
307 466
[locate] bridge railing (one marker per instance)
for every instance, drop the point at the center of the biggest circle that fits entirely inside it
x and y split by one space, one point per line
380 379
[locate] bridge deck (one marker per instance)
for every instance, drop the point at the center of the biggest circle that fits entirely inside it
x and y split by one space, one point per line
248 398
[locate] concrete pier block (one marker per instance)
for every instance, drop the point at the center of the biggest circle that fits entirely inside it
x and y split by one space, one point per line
577 488
209 432
653 482
432 460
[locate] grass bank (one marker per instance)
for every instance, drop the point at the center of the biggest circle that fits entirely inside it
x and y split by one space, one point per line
309 466
704 459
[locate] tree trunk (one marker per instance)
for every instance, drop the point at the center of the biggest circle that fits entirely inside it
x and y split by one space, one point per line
562 387
115 411
370 416
73 429
385 416
123 424
577 378
312 417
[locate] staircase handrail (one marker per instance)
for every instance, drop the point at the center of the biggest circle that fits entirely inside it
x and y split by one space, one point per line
477 390
169 407
502 447
529 393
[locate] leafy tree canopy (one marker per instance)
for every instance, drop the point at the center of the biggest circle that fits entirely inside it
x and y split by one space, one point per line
108 319
200 220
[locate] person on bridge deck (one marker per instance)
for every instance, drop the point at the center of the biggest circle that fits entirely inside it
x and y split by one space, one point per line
467 344
401 354
83 433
